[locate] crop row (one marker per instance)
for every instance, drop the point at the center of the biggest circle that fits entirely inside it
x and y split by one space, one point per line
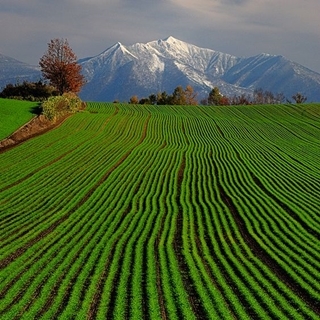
14 114
149 212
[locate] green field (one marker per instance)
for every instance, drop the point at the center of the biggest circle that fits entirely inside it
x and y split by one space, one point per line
14 114
164 212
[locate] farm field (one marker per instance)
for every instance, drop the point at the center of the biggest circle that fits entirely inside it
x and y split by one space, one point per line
164 212
14 114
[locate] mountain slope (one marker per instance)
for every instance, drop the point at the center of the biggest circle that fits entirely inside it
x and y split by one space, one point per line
13 71
144 68
274 73
141 69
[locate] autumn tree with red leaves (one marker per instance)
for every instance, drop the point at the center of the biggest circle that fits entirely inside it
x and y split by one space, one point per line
59 65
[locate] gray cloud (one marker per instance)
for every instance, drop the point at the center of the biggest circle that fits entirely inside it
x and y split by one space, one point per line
240 27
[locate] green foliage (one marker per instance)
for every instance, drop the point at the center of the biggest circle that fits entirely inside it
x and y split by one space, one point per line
58 106
215 97
179 96
187 96
163 98
32 91
129 211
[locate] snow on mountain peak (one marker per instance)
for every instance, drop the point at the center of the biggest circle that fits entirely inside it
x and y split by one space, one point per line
161 65
171 40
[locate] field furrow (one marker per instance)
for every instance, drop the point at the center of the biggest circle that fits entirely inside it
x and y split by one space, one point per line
164 212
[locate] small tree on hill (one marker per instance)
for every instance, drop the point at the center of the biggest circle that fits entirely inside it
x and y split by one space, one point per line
134 100
179 96
59 65
299 98
153 98
215 97
162 98
191 96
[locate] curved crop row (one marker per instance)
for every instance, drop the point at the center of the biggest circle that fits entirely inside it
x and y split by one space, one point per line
164 212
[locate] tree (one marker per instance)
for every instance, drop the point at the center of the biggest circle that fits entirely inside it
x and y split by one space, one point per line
299 98
144 101
204 101
258 96
240 100
224 101
267 97
214 97
34 91
153 98
134 100
163 98
280 97
59 65
179 96
190 96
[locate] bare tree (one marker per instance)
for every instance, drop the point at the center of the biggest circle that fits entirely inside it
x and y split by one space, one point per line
191 96
299 98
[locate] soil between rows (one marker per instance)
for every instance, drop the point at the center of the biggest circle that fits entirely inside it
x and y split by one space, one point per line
35 127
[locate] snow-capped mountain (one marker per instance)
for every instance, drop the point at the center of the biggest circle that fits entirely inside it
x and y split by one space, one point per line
144 68
13 71
141 69
276 74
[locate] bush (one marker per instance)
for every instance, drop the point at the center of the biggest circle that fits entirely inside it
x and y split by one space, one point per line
58 106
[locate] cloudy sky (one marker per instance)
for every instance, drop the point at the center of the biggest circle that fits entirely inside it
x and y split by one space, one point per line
239 27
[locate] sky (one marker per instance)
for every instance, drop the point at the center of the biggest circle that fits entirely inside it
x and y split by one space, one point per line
239 27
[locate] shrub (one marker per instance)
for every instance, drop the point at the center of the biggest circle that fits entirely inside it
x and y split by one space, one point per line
58 106
32 91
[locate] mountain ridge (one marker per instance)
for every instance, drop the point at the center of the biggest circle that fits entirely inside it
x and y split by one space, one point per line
13 71
121 71
162 65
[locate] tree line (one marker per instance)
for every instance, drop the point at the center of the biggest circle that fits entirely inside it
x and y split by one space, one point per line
32 91
188 96
60 70
59 66
179 96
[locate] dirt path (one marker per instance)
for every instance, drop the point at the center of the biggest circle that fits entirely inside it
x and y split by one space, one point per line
35 127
